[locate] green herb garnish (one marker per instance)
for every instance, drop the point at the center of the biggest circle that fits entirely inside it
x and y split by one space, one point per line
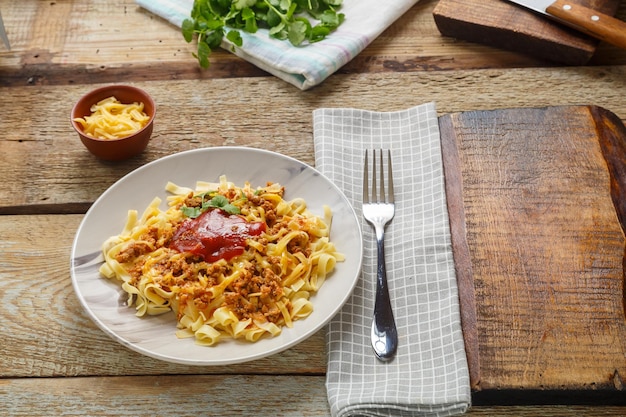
211 20
217 201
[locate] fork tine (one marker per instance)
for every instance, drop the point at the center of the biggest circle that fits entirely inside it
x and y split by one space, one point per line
382 198
377 193
390 175
374 190
366 198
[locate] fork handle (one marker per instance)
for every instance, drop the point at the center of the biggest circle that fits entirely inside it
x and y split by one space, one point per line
384 334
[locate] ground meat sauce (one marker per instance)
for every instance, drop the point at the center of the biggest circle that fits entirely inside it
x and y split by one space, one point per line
207 244
215 235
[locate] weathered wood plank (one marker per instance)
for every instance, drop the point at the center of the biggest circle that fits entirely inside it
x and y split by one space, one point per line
192 395
215 395
45 331
69 43
546 245
54 359
43 163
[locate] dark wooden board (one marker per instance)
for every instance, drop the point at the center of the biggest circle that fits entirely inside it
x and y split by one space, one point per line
538 213
507 26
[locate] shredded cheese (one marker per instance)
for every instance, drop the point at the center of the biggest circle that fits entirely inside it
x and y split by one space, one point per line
111 119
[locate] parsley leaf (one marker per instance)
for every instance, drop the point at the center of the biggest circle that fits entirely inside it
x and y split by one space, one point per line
291 20
209 202
219 201
191 212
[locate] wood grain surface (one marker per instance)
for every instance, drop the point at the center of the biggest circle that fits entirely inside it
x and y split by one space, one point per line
541 245
55 361
70 43
57 174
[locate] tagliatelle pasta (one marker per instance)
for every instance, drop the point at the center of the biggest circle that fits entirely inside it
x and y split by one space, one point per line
229 261
111 119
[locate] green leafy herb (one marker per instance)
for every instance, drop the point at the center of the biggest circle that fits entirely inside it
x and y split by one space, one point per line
216 201
291 20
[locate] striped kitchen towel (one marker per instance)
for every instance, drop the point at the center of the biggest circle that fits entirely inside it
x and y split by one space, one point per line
309 65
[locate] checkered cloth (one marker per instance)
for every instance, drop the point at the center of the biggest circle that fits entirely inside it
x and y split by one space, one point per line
309 65
429 376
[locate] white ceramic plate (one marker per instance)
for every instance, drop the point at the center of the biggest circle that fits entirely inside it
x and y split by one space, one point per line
104 300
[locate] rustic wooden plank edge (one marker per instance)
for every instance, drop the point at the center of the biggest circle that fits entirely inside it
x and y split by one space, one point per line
192 395
612 135
462 260
52 74
550 397
65 208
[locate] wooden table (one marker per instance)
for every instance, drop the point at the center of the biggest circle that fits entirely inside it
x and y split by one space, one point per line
54 360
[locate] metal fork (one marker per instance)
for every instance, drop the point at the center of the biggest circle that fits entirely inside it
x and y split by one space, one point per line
378 212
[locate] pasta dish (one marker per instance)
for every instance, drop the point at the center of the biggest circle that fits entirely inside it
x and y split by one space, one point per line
229 261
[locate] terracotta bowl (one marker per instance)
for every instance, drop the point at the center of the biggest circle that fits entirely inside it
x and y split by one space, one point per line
115 149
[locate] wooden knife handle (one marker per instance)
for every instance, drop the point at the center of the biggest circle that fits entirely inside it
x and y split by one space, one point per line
592 22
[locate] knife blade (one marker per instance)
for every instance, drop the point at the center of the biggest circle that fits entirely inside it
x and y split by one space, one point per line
581 18
3 34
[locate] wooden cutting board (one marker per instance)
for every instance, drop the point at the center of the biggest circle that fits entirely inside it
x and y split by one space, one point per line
507 26
538 211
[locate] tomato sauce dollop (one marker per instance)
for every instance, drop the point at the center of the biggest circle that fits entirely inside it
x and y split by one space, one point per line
215 235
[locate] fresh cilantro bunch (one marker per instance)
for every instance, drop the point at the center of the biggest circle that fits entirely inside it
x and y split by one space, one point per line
299 21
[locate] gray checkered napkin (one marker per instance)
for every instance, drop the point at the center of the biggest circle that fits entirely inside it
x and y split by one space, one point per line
429 376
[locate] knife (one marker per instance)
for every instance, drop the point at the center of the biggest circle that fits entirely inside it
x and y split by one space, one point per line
581 18
3 34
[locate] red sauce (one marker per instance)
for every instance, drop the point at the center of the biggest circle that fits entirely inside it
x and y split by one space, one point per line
215 235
